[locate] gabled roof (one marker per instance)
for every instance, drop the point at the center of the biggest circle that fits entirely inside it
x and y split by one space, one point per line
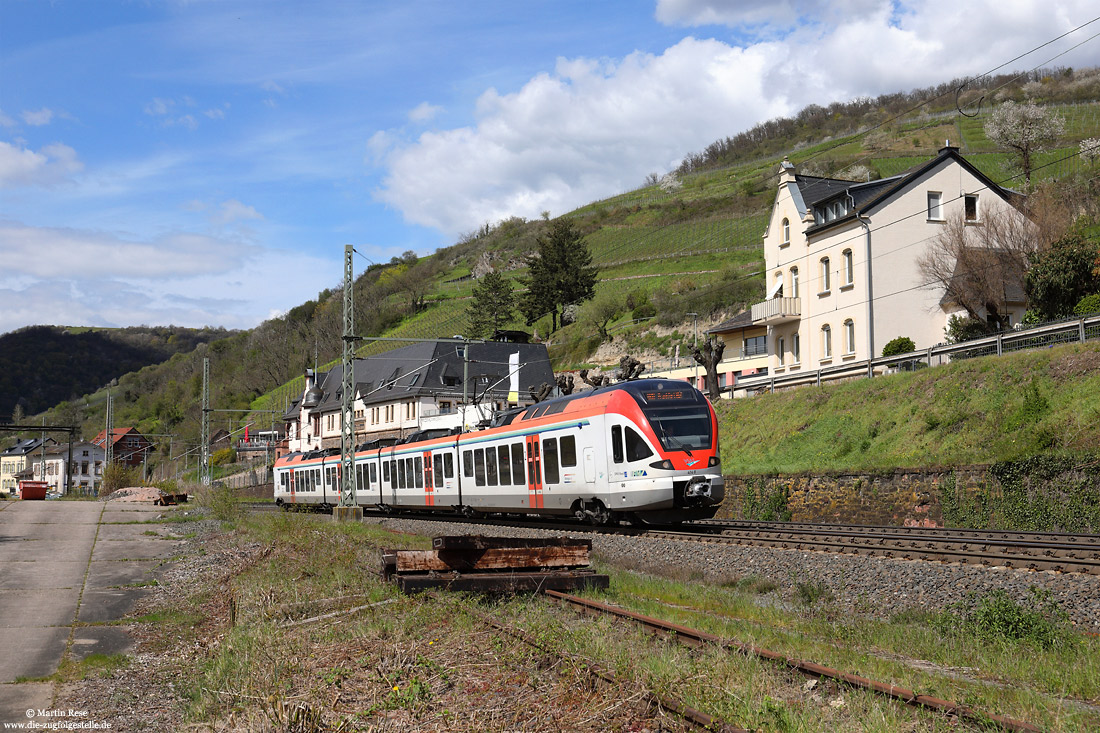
741 320
871 194
118 434
435 368
27 445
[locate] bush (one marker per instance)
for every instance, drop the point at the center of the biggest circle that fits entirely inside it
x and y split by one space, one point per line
223 457
995 617
1088 305
965 329
117 476
900 345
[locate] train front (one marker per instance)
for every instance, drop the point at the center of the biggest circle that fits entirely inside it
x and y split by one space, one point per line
682 421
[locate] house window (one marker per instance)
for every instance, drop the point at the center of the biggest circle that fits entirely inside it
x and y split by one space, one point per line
970 207
779 350
849 270
755 346
445 408
794 282
796 349
826 342
935 206
849 337
824 274
786 231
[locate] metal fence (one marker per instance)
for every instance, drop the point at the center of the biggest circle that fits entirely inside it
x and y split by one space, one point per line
1075 330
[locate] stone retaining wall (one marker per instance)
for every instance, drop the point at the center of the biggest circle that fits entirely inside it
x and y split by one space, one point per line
904 497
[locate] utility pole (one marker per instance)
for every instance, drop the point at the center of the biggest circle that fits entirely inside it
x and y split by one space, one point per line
108 429
695 345
204 449
348 510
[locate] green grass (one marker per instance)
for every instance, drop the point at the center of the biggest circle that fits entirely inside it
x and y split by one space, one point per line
956 414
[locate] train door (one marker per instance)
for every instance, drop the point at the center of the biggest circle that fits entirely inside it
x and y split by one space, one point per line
389 476
589 465
534 472
290 485
429 491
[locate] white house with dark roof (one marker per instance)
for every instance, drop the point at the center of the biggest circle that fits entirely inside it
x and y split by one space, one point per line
418 387
841 260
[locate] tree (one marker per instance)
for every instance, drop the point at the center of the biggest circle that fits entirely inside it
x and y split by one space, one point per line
1061 275
980 267
601 311
708 354
900 345
493 305
1025 129
559 273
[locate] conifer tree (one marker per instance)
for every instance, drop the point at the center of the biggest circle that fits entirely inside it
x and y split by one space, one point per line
492 307
560 273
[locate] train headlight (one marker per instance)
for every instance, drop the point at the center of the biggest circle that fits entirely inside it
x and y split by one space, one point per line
714 461
665 464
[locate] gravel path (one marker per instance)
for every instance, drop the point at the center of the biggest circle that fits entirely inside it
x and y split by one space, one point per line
873 586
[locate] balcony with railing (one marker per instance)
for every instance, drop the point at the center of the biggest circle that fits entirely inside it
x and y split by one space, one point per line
776 310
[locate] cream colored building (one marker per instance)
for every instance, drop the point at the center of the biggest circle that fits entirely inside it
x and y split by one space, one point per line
841 260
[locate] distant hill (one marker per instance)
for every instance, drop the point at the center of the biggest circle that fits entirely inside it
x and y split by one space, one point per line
41 366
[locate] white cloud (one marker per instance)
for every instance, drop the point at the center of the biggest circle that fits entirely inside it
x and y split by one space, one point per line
215 114
37 118
593 128
424 112
6 121
180 278
159 107
51 165
234 211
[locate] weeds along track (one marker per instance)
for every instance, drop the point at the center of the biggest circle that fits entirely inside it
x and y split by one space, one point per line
1058 552
694 637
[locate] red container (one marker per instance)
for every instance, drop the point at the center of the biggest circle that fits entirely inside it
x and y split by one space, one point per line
33 490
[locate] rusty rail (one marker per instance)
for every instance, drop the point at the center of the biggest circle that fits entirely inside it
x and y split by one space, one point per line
699 638
688 713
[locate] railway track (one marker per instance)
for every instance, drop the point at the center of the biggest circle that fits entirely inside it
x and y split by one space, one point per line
1039 551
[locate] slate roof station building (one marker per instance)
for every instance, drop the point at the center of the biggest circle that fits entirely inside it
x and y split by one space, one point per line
418 387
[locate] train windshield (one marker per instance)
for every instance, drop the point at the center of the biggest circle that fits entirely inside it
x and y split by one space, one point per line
680 427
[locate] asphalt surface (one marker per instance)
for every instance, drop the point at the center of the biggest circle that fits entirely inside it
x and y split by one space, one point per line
69 571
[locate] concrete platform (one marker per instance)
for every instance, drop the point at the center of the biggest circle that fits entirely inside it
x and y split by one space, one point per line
60 566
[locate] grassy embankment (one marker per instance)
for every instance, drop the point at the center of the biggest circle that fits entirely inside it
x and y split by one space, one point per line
430 660
983 410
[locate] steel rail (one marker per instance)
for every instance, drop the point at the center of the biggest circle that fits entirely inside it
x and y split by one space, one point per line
944 551
1054 556
696 717
695 637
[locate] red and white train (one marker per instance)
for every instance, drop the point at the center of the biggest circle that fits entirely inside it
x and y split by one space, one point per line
645 450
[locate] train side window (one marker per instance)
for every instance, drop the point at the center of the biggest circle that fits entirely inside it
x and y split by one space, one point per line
373 473
437 464
491 466
636 448
448 466
568 450
479 466
386 471
505 473
517 462
467 464
617 443
550 460
418 471
399 469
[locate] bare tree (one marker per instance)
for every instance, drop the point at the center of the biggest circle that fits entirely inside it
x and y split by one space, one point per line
629 368
565 383
708 354
1025 129
596 380
980 267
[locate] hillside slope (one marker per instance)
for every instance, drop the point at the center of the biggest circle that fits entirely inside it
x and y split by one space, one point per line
974 411
41 366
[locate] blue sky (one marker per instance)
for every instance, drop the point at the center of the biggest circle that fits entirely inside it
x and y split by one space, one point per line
203 162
